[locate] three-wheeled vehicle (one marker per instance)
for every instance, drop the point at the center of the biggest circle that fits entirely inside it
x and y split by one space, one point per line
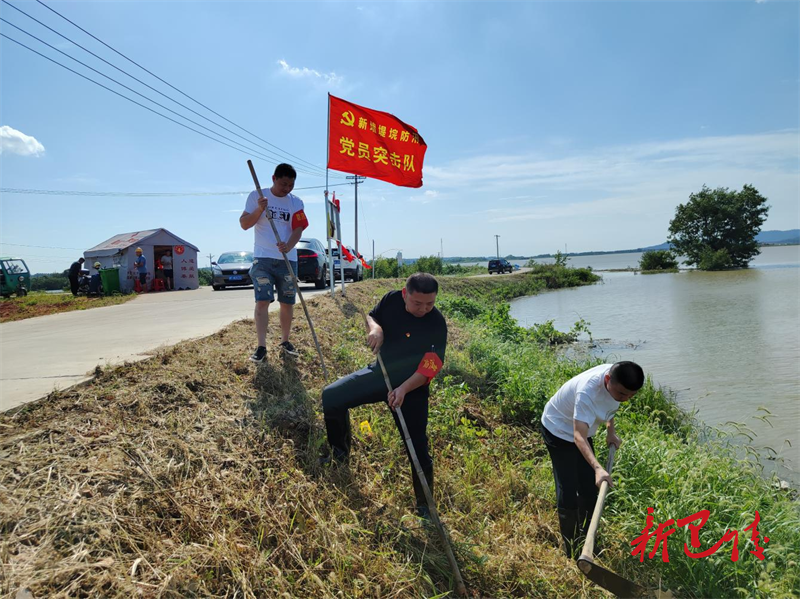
14 277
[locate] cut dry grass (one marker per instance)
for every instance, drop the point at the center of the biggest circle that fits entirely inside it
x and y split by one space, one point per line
194 474
41 304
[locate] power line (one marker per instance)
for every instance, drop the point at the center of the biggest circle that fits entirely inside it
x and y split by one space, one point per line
172 86
45 247
132 77
139 103
133 194
153 101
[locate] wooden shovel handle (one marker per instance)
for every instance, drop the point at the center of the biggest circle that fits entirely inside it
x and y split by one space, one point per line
588 545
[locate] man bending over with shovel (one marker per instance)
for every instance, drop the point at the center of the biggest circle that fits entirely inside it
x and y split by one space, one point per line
569 421
411 335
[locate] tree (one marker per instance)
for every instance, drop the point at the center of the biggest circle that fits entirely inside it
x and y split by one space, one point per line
716 229
429 264
658 260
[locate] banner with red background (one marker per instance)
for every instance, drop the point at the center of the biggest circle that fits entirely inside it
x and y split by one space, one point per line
374 144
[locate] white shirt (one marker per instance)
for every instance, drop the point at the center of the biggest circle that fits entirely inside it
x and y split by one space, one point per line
584 398
166 262
282 209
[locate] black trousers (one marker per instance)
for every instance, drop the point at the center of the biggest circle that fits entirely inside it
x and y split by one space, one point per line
367 386
574 476
73 285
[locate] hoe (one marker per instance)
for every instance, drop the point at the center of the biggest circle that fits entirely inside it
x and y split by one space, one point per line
610 581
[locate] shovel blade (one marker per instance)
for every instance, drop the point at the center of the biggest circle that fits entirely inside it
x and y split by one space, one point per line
621 587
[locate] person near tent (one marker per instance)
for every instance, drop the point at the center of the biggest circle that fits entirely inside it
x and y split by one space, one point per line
74 274
141 268
269 271
411 335
569 421
95 284
166 263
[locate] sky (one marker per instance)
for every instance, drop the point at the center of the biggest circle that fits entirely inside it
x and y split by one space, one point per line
549 124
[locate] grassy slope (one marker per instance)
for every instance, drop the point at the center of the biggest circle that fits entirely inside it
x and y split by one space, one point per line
40 303
193 474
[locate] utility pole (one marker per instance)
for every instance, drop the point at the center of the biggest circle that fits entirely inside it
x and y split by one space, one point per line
373 258
497 242
356 180
441 248
210 259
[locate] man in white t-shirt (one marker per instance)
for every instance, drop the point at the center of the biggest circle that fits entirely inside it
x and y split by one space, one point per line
269 271
569 421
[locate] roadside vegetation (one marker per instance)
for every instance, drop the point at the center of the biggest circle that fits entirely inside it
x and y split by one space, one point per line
388 268
194 474
39 303
656 261
53 281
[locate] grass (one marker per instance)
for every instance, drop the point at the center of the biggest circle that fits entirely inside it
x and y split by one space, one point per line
194 474
39 303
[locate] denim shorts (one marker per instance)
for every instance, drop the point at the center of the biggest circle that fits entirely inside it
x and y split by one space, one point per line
269 274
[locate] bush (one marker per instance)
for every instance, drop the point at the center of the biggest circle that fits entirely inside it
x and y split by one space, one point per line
429 264
715 260
204 276
386 268
50 282
450 305
658 260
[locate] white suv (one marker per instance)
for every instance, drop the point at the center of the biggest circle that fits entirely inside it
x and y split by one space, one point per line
353 269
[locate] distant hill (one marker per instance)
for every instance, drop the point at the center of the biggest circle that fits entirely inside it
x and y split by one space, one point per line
791 236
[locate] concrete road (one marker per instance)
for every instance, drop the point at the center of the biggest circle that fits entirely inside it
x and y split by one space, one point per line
41 354
514 272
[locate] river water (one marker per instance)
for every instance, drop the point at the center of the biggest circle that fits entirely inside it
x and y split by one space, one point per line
725 342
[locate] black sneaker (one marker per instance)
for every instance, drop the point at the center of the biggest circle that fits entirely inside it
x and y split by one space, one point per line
289 349
260 355
335 458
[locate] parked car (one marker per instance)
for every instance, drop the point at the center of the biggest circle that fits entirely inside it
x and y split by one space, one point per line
353 269
500 266
15 277
312 264
231 269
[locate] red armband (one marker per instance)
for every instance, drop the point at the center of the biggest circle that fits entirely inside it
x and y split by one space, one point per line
430 366
299 220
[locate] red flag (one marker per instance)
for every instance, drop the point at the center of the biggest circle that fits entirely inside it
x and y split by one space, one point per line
364 264
374 144
346 253
336 202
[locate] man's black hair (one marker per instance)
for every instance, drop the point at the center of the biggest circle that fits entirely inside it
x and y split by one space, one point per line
285 170
81 258
628 374
422 282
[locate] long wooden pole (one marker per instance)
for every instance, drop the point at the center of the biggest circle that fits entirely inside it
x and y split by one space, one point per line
588 544
291 270
461 589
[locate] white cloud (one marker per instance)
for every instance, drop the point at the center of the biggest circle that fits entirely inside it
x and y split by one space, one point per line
16 142
332 79
426 197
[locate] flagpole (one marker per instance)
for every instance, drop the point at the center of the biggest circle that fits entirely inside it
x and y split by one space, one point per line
329 260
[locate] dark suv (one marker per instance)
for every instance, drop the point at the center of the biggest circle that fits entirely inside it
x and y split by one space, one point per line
311 263
500 266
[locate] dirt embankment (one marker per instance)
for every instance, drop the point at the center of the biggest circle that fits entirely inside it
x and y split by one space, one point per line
194 474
